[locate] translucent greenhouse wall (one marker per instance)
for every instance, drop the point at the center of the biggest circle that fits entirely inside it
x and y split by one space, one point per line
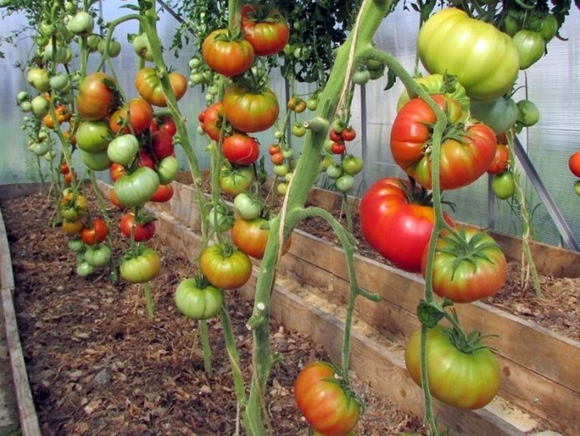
552 85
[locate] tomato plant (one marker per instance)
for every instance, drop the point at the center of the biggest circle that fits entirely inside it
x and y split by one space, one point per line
468 266
97 96
250 110
197 300
225 55
224 266
327 406
466 151
142 229
464 376
487 72
574 163
94 232
241 149
265 29
397 222
150 89
141 266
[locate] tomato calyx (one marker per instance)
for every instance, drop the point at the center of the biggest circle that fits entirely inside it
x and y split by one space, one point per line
466 343
430 313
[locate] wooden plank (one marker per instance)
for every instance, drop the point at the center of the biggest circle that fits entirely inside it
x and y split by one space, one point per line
16 190
29 425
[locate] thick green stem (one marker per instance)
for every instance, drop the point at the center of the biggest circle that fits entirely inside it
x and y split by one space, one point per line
233 354
149 300
206 347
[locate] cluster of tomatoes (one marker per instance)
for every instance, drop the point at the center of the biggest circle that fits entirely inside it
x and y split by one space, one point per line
343 172
574 166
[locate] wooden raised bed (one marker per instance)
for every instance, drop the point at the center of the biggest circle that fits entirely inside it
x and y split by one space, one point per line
539 368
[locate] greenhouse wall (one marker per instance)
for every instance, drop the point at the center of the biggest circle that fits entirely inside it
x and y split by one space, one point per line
550 83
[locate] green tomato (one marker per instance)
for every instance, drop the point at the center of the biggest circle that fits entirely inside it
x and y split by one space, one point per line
136 188
81 24
60 82
94 136
76 245
352 165
197 302
98 161
334 171
547 26
503 185
345 182
167 169
142 267
84 269
484 59
98 255
360 77
39 79
123 149
39 106
281 170
142 47
500 114
528 113
235 180
531 47
220 218
247 206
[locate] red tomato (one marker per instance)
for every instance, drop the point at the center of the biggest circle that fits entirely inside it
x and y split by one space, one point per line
94 232
212 119
241 149
149 86
348 134
250 236
250 111
142 231
338 147
162 144
396 223
574 163
167 125
277 158
265 29
465 152
146 159
468 267
163 194
224 266
325 404
97 96
140 117
116 171
227 56
500 160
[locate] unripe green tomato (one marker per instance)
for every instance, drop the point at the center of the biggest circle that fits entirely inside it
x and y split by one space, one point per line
281 170
531 47
503 185
39 79
84 269
39 106
123 149
167 169
22 96
361 77
312 103
81 24
97 161
60 82
93 42
345 182
76 245
334 171
281 188
114 47
194 63
26 106
528 113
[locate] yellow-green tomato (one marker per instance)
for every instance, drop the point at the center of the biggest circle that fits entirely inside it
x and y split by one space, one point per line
531 47
197 302
142 267
484 59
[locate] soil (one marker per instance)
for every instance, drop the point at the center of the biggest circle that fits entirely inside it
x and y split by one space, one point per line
98 364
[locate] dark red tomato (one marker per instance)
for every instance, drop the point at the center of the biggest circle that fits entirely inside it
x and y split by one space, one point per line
146 159
466 150
140 117
326 405
395 226
228 56
149 86
164 193
338 147
241 149
574 163
250 111
94 232
468 266
167 125
97 96
500 161
141 231
162 144
265 29
211 120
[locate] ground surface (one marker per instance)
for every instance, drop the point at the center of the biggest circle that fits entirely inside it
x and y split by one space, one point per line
98 365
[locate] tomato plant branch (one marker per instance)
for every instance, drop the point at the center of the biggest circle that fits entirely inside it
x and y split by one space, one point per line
149 300
205 347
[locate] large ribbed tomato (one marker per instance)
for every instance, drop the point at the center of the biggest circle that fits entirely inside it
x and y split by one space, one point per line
484 59
265 28
397 222
225 55
250 110
466 149
97 96
149 86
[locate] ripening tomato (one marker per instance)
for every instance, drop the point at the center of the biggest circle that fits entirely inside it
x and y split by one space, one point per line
241 149
574 163
97 96
228 56
167 124
212 119
468 266
250 111
142 267
466 150
62 114
462 377
142 229
500 160
94 232
140 116
327 406
265 29
224 266
149 86
397 222
116 171
113 198
73 227
484 59
164 193
251 236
